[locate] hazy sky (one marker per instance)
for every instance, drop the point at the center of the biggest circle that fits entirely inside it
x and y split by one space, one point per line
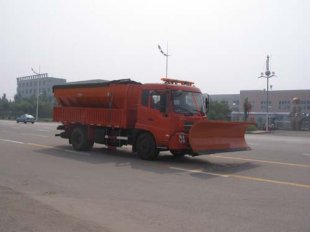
221 45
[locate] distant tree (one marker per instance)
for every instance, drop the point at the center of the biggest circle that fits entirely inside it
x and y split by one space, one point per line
17 97
12 109
247 107
219 111
45 109
4 106
3 98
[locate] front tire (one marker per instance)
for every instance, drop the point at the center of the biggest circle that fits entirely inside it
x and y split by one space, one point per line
79 140
178 153
146 147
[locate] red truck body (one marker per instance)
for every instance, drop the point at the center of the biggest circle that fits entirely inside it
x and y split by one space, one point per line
150 117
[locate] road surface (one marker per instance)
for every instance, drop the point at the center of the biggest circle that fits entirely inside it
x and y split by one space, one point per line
46 186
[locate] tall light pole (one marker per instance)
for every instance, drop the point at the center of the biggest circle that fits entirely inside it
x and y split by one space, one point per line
268 74
166 55
38 90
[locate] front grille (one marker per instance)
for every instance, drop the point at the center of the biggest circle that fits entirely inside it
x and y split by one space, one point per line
187 126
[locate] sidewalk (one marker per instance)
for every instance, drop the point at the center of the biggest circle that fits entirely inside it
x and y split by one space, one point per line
282 133
259 132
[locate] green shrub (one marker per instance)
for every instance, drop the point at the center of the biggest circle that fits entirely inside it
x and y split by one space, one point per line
251 128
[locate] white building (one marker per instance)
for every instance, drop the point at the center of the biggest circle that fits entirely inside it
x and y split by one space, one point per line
29 86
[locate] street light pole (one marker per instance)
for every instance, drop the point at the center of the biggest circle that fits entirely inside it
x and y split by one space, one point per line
38 90
166 55
268 74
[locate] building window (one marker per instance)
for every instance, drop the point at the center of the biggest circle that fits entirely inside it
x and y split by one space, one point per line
284 105
236 103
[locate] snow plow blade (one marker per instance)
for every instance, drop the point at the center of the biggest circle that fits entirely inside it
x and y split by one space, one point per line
207 137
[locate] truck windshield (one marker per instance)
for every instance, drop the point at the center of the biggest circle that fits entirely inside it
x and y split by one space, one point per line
188 103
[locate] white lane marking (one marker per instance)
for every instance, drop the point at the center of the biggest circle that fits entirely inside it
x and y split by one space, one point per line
199 171
45 136
260 161
44 130
252 144
11 141
39 145
6 131
45 146
307 154
252 178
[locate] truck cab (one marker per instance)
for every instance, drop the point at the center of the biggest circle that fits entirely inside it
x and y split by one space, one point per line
167 111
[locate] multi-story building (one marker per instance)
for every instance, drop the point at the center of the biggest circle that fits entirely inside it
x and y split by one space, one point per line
28 86
279 101
280 104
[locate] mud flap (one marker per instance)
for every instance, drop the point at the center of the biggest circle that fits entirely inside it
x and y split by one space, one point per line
206 137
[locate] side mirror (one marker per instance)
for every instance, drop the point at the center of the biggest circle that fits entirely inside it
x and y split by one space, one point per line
207 104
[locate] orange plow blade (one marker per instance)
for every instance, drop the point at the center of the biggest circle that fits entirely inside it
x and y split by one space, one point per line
207 137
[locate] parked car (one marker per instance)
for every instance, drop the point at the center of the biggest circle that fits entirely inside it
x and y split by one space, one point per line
25 118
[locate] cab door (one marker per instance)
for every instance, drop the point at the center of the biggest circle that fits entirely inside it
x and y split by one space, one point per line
153 115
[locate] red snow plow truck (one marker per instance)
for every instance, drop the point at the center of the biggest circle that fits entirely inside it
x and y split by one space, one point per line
169 116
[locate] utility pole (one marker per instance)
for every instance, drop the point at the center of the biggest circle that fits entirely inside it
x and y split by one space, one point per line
268 74
38 92
166 55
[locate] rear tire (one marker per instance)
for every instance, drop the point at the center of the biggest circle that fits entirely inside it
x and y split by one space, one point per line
146 147
79 140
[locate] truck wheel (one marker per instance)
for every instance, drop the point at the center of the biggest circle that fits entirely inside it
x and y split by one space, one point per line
146 147
79 140
178 153
89 145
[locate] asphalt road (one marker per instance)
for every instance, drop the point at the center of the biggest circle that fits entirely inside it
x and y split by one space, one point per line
46 186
